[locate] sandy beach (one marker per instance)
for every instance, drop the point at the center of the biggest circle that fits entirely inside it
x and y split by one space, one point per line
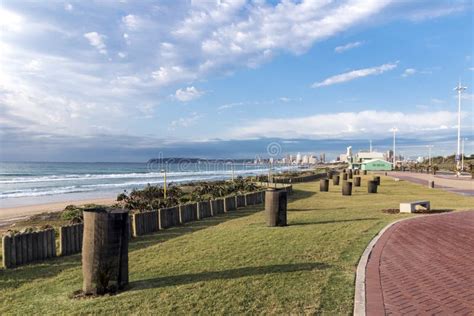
11 214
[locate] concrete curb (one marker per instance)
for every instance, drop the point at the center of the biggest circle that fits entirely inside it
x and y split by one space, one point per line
359 296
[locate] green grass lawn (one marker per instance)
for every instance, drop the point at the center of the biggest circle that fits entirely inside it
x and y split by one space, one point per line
234 264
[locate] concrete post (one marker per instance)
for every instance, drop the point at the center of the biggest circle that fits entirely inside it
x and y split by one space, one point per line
324 185
275 207
346 188
344 176
105 250
431 184
357 181
335 180
377 179
372 186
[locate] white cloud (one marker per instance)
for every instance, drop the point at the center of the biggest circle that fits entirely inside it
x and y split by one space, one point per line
467 96
343 48
355 74
10 21
347 124
436 12
96 40
188 94
132 22
68 7
185 121
230 105
409 72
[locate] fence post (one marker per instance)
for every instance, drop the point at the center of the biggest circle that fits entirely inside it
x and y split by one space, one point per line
7 251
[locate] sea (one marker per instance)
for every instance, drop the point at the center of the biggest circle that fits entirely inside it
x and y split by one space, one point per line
32 183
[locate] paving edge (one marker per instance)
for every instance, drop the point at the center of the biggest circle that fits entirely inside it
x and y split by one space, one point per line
359 296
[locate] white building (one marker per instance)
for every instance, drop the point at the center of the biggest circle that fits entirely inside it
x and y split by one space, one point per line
298 158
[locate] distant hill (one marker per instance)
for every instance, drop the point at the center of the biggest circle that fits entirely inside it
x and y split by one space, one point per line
197 160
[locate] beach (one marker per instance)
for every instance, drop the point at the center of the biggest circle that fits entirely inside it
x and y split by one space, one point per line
10 215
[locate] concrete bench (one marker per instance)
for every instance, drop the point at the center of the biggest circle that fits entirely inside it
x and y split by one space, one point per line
411 207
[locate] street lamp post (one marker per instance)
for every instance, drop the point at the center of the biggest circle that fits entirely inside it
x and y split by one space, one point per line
394 130
164 181
429 154
459 90
462 154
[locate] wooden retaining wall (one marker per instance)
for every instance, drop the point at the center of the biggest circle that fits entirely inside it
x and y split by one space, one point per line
23 248
188 213
308 178
169 217
229 204
144 223
240 200
250 199
217 207
204 209
70 239
260 197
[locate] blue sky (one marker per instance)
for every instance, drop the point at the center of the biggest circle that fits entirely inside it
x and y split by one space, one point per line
127 80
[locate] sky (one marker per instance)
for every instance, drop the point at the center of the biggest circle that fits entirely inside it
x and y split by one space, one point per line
133 80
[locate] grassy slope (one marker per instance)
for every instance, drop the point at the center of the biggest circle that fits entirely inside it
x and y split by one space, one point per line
233 263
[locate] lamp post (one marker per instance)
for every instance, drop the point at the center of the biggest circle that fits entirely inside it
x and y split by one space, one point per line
429 154
459 89
462 154
394 130
164 180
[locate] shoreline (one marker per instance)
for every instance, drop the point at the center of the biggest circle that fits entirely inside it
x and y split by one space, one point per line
11 214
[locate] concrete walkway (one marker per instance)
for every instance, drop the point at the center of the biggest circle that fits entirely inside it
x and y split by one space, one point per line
463 185
423 266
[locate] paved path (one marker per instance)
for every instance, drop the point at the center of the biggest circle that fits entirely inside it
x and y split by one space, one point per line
423 266
464 185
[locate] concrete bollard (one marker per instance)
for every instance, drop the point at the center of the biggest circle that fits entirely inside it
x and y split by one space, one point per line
372 186
431 184
335 180
330 175
357 181
105 250
365 172
350 175
346 188
344 176
275 207
377 179
324 185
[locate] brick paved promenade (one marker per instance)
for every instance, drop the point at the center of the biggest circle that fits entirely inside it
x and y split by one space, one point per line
423 266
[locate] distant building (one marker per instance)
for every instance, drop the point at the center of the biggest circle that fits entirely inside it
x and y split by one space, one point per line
298 158
364 156
376 165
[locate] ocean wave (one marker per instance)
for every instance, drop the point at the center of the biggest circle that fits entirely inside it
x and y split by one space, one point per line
45 191
87 177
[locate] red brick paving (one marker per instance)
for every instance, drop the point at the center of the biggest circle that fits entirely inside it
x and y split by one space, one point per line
423 266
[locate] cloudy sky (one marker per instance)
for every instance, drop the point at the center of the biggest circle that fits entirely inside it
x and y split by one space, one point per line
126 80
